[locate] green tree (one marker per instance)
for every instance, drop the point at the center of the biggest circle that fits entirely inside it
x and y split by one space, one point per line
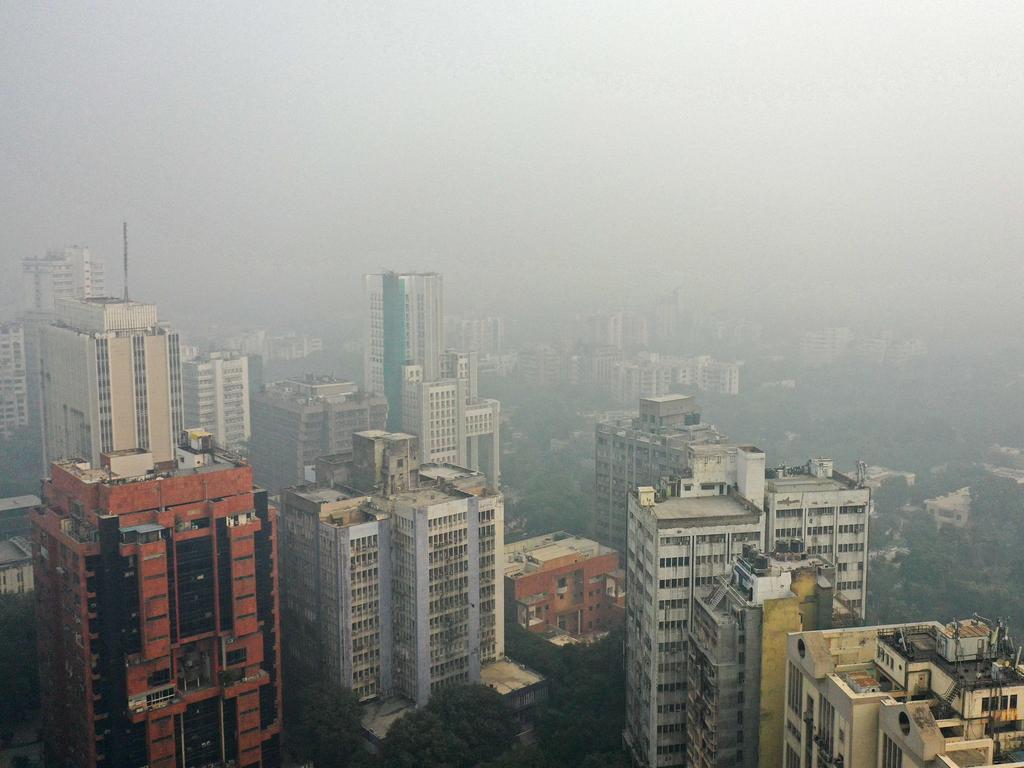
584 716
461 726
328 732
19 668
477 715
521 757
421 739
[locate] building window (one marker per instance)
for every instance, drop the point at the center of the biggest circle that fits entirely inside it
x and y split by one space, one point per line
794 688
892 755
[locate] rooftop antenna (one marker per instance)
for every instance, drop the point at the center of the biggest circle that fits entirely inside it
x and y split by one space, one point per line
125 230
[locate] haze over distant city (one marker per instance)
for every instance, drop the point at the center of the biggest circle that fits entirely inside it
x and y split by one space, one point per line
867 155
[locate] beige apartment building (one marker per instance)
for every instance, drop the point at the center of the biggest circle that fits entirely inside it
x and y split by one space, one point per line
111 381
904 695
394 595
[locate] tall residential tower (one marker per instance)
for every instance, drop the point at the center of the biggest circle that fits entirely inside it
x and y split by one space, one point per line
157 612
111 381
395 594
404 326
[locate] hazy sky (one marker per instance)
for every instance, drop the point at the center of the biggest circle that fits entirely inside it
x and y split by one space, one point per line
265 155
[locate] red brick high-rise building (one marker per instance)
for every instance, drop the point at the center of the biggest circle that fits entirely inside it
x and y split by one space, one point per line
157 612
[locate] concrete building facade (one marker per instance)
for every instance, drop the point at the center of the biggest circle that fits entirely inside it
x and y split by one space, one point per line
483 335
681 538
216 396
15 566
65 273
14 405
294 422
395 595
829 512
14 515
737 654
111 380
928 694
642 451
454 424
157 612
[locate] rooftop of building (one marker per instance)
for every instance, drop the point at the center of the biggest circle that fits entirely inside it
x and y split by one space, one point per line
670 399
507 676
375 434
226 356
534 554
15 551
108 300
196 454
809 478
380 714
429 496
704 510
957 501
338 506
406 274
312 389
18 502
787 555
320 495
975 653
447 472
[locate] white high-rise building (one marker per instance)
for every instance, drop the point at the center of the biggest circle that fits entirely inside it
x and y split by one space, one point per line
64 273
404 326
829 512
485 335
398 594
216 396
111 381
431 391
454 424
680 538
13 378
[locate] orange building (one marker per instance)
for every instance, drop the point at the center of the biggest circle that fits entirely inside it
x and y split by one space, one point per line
157 612
563 583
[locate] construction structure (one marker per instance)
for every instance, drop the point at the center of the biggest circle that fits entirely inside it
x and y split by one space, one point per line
829 512
737 653
563 583
296 421
157 611
928 694
682 537
394 595
111 381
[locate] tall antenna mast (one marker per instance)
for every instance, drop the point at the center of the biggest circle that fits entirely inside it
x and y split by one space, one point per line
125 225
